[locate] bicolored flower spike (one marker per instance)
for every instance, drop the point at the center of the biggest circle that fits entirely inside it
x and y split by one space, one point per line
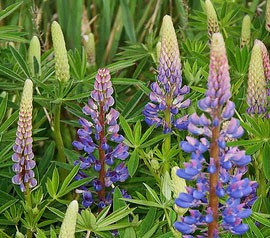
34 53
256 94
212 20
245 33
89 46
167 96
60 51
101 144
23 156
212 162
266 63
267 16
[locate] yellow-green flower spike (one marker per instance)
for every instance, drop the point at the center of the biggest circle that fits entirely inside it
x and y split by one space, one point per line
245 34
89 46
256 93
267 16
212 20
34 56
69 223
169 43
61 57
178 185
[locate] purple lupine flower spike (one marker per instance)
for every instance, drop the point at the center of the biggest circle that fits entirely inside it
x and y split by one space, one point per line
96 139
212 162
257 92
167 96
23 155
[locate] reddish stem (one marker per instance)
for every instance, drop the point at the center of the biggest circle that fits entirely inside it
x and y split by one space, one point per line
213 198
101 152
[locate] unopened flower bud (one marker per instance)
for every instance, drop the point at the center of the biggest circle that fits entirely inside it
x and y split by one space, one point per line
245 34
89 46
69 223
212 21
34 56
178 185
155 164
61 57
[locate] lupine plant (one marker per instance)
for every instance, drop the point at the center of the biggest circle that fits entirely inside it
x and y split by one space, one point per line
95 140
215 179
134 119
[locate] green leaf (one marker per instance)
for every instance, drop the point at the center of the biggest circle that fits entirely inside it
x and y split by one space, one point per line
11 8
153 193
253 228
117 204
55 181
133 162
147 222
10 74
266 161
114 217
40 234
47 158
7 205
9 121
154 140
64 188
166 186
259 218
143 202
137 132
128 132
21 62
57 212
127 20
73 186
147 134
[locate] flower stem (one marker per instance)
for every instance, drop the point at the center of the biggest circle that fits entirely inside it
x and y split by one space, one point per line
28 201
167 141
101 152
59 140
213 198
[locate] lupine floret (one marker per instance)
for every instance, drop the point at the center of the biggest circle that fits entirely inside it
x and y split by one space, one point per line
96 138
212 161
23 156
167 95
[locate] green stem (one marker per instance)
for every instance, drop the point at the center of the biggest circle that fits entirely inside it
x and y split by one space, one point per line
59 140
176 234
262 189
167 142
150 168
28 201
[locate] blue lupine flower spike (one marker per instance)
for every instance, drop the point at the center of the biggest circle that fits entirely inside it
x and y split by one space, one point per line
216 168
96 138
167 96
